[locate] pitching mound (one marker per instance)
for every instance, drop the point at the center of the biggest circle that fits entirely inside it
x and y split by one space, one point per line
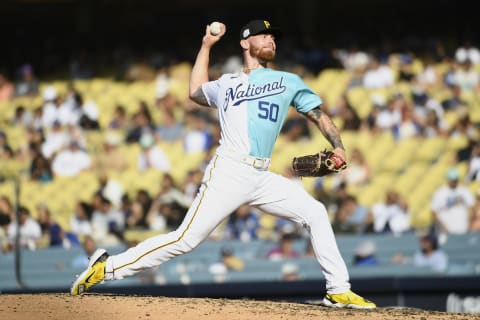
97 307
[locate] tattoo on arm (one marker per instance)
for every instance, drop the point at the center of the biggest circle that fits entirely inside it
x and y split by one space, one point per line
199 97
326 126
314 114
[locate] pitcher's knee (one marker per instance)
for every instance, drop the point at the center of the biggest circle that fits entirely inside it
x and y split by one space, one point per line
316 213
186 244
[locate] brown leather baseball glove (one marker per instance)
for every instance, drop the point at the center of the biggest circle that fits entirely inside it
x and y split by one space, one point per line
318 165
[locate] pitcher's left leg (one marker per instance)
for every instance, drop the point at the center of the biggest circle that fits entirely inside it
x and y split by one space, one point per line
281 197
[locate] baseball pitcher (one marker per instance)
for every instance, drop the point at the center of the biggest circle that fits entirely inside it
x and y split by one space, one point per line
252 106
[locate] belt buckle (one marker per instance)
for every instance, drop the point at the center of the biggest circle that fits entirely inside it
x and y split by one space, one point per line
258 163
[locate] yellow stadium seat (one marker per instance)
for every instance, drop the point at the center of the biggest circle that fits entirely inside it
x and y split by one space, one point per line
456 143
430 149
399 158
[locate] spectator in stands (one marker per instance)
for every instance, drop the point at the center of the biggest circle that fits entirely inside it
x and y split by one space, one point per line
364 254
40 167
37 121
30 231
162 82
451 205
107 223
345 111
351 216
6 152
429 255
145 111
228 262
455 101
428 77
6 88
55 140
331 200
110 189
6 208
355 61
170 193
358 170
434 126
166 215
144 198
465 128
378 75
475 217
22 117
389 115
467 52
196 138
168 104
340 223
136 218
80 221
242 225
141 127
405 72
80 261
284 250
192 183
51 230
290 272
170 130
473 173
54 109
71 162
391 216
113 158
152 156
408 126
84 114
466 76
28 84
119 120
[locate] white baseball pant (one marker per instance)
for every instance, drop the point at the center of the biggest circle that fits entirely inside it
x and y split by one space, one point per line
226 185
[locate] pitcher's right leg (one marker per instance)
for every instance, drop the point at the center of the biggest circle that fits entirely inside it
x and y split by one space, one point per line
217 198
221 193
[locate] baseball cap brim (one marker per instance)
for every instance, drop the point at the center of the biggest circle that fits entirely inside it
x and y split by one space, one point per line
277 33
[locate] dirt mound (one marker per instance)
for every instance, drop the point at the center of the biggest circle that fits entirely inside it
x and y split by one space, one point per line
97 307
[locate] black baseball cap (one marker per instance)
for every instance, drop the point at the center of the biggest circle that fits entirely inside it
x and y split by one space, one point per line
255 27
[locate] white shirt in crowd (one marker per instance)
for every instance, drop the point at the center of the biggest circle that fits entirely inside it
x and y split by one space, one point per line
452 207
30 233
397 219
387 118
80 227
474 170
380 77
437 261
153 157
55 140
70 162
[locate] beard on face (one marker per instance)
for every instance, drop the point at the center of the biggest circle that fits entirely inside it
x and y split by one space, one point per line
262 53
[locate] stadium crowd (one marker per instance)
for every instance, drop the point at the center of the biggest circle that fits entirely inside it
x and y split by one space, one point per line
412 96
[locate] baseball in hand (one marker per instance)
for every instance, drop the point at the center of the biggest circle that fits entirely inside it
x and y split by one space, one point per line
215 28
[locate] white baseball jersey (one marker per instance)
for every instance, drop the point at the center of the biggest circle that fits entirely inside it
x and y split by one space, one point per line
252 109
